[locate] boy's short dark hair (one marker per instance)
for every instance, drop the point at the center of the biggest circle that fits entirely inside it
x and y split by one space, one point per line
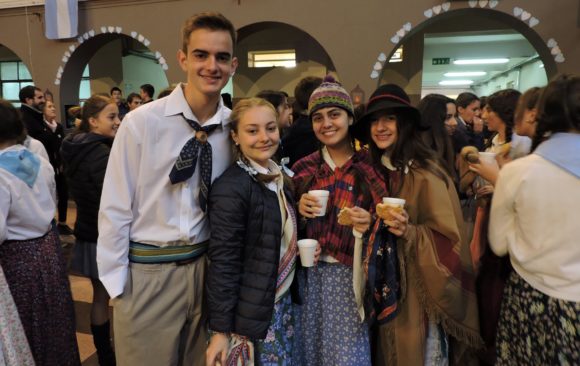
208 20
149 89
115 89
132 96
304 90
27 92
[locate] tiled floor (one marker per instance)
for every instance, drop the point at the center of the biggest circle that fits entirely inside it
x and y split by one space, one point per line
82 293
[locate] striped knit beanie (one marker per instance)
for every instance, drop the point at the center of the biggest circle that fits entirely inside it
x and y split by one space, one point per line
330 94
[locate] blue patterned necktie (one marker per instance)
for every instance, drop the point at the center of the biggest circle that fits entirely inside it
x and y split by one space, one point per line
184 167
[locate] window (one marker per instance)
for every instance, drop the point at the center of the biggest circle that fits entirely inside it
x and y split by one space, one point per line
85 87
14 75
281 58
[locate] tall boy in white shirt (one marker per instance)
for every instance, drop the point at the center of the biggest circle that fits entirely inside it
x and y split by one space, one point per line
153 228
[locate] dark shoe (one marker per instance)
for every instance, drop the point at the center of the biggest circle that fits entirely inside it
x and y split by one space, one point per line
63 229
102 342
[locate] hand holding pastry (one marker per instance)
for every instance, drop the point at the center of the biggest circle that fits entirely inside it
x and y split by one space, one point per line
358 218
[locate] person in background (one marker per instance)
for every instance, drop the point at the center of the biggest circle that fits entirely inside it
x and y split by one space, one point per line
493 271
147 91
165 92
527 113
153 227
469 130
253 247
334 327
133 101
117 96
280 101
57 135
534 220
85 154
438 115
437 321
300 140
30 251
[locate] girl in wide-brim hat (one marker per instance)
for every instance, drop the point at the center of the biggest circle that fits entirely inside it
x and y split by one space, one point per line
437 280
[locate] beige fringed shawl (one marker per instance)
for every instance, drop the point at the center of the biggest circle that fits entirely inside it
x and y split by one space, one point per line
437 276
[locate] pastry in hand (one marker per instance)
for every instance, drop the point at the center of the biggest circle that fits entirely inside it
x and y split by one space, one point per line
384 210
344 217
470 154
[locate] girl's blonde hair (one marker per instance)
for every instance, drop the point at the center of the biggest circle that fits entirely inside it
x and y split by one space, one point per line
244 105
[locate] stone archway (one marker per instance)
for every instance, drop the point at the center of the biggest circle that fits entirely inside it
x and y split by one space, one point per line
77 56
518 19
311 58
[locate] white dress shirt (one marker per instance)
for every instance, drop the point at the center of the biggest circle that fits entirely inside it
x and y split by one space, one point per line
138 202
26 213
534 219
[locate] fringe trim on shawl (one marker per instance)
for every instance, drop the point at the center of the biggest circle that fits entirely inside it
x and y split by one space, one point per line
451 326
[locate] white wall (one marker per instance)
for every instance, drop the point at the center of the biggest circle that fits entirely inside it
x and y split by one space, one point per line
520 79
138 71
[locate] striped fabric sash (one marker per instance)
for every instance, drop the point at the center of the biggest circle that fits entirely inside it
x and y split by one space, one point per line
151 254
288 262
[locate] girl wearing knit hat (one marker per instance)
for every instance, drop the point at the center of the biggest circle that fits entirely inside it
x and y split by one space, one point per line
334 327
438 314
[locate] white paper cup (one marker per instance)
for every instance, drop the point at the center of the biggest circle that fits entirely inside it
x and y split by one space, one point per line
397 204
487 157
322 197
307 247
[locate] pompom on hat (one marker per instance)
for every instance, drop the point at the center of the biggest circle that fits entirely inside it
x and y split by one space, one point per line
386 97
330 94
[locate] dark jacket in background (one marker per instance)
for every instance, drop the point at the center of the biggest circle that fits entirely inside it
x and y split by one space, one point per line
85 158
465 136
244 253
300 140
38 129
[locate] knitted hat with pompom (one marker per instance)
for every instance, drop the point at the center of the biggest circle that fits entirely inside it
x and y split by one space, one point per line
330 94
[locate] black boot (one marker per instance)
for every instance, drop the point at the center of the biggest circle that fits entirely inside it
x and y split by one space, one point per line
103 344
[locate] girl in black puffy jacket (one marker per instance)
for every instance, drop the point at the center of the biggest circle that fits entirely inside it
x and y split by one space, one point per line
85 154
252 248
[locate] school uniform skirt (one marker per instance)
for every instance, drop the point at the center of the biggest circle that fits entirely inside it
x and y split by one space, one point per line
536 329
36 274
332 331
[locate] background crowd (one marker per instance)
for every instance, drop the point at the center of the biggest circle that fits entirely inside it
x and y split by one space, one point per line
190 215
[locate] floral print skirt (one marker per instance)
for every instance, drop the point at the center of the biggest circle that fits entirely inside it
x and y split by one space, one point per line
14 350
331 328
278 346
35 271
536 329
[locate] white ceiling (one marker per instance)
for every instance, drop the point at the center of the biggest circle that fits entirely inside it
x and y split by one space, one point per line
473 45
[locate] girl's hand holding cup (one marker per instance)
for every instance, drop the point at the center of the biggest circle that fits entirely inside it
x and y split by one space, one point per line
392 212
313 203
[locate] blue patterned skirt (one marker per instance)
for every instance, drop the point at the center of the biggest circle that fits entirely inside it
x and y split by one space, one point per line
278 346
332 332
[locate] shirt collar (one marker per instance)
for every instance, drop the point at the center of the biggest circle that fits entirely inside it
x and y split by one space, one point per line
177 104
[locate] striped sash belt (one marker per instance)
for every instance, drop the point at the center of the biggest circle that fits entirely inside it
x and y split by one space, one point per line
151 254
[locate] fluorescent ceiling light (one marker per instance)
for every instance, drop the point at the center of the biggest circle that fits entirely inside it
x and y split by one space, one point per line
464 73
483 61
456 82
